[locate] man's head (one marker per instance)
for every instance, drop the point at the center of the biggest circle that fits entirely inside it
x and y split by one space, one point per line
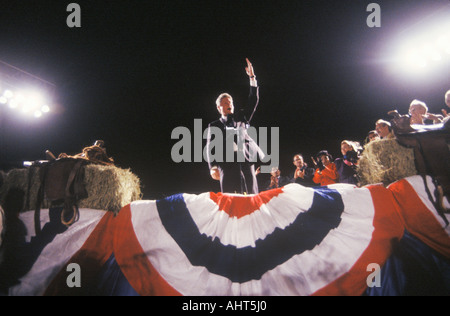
225 104
275 172
298 161
447 98
417 109
383 128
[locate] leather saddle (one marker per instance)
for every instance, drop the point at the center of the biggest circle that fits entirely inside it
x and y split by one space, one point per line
61 183
431 152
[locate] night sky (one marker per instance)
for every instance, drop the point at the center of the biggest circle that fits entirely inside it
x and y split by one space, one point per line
135 70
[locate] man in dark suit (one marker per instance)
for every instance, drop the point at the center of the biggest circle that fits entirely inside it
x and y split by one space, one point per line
303 174
235 151
276 179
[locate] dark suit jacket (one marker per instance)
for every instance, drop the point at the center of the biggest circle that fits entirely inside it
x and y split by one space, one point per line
307 180
282 181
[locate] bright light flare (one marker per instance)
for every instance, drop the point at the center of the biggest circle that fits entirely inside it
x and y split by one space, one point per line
13 104
413 61
443 41
8 94
25 102
45 108
425 51
447 50
35 99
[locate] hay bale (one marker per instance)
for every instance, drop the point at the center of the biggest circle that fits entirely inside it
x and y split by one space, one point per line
15 193
385 161
109 188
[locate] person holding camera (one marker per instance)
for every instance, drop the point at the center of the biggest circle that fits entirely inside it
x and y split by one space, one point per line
326 173
303 174
384 129
346 166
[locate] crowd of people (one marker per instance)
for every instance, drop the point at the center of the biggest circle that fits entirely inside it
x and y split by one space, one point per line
240 176
326 170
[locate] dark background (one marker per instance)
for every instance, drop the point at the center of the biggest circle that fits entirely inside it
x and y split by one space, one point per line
135 70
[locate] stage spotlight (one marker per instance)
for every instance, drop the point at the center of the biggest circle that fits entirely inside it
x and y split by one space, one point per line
421 56
431 52
13 104
436 56
26 102
8 94
25 93
443 41
25 108
19 99
413 61
423 47
35 98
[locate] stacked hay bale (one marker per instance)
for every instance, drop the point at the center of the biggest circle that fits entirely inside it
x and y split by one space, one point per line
385 161
109 188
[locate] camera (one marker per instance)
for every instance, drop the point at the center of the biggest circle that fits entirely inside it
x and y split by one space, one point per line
351 156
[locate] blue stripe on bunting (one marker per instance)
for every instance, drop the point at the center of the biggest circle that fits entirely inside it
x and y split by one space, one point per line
413 269
250 263
111 281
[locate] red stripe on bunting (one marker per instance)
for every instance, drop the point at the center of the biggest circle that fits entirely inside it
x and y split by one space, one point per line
419 220
133 261
388 226
240 206
91 257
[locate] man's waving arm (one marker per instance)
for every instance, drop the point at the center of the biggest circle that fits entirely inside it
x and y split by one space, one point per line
246 113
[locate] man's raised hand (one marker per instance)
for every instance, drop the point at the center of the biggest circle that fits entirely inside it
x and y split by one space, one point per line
249 69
